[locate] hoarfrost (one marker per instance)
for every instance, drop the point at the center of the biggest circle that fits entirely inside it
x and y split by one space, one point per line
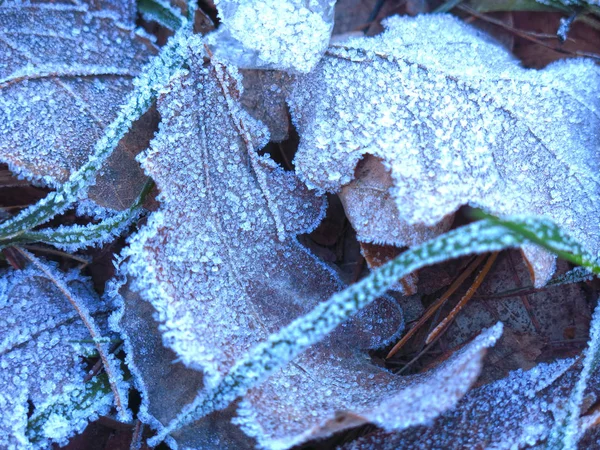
65 69
221 250
515 412
222 269
273 34
41 349
455 120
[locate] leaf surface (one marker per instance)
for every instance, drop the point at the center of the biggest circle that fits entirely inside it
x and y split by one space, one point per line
274 34
455 120
41 357
64 72
220 264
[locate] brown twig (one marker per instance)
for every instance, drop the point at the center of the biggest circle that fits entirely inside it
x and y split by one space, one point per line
463 301
436 305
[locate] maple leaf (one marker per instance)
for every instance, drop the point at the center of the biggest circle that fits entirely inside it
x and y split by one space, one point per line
220 264
65 70
41 349
454 120
274 34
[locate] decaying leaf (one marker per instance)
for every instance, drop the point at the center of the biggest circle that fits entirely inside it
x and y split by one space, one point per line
165 384
250 211
42 345
544 405
65 70
373 212
274 34
264 98
220 264
456 121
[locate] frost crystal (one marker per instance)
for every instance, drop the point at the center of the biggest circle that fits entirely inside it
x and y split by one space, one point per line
274 34
515 412
41 349
219 261
64 71
455 120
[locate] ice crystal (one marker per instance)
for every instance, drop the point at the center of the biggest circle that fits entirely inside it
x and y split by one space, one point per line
455 120
65 70
41 352
514 412
227 214
274 34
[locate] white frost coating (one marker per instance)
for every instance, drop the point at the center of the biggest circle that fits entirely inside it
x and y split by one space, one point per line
456 121
275 34
283 346
62 87
512 413
40 359
342 381
222 248
567 430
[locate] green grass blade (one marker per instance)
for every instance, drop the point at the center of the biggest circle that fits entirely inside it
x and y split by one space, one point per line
160 12
74 237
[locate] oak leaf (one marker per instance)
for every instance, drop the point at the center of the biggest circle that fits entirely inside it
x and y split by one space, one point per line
220 264
455 120
42 345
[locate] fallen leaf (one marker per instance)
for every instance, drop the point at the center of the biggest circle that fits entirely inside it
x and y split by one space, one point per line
514 412
220 264
545 405
273 34
456 121
65 71
42 345
264 98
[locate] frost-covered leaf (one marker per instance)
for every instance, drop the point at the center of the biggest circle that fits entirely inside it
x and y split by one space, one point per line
515 412
273 34
223 280
41 351
64 72
456 121
372 210
165 384
250 211
151 81
541 406
264 98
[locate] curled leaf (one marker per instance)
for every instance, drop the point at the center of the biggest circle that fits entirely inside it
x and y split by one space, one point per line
455 120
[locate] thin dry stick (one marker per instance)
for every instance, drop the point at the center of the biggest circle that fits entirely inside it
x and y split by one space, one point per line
527 35
437 304
88 321
136 439
463 301
52 251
